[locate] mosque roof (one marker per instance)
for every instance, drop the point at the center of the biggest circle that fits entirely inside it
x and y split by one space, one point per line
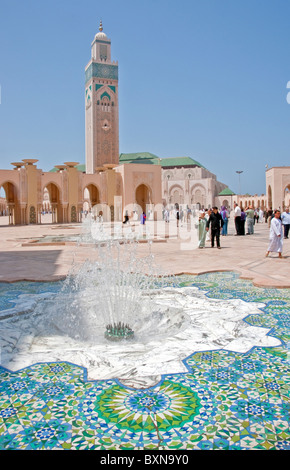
179 161
226 192
82 168
141 157
147 158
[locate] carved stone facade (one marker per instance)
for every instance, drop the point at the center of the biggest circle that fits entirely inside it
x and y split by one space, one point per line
189 186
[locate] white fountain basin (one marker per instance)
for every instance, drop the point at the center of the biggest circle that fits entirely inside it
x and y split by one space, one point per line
184 321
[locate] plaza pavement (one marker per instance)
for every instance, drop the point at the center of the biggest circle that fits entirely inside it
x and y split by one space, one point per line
23 259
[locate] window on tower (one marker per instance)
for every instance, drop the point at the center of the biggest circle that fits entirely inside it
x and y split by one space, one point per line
105 105
103 52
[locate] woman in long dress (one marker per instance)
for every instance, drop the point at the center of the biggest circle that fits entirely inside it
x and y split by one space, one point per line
276 235
201 229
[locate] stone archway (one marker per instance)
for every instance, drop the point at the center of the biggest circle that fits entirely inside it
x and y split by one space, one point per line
54 199
198 197
176 195
16 214
143 196
3 202
93 195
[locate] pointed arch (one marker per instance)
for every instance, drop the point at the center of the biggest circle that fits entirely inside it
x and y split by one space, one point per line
176 194
143 196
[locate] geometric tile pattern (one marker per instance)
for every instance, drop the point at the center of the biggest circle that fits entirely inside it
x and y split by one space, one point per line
225 400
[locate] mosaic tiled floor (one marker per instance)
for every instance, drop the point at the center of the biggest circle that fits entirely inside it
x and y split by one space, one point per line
225 401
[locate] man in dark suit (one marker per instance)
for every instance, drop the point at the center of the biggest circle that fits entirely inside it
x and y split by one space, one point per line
216 222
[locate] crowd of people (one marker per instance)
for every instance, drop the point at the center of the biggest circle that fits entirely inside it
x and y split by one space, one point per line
213 223
278 222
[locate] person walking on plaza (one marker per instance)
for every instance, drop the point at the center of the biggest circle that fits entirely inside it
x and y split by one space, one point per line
166 216
201 229
276 235
207 216
143 218
177 214
250 220
237 218
225 217
243 221
256 217
285 217
126 218
216 222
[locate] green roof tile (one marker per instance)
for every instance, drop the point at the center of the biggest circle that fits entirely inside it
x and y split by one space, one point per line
142 157
147 158
82 167
226 192
179 161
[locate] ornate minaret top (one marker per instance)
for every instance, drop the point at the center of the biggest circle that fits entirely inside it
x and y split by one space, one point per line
101 46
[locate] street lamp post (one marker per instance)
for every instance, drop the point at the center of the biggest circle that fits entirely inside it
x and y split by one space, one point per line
239 172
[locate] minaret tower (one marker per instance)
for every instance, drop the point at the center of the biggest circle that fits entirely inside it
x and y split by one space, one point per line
102 110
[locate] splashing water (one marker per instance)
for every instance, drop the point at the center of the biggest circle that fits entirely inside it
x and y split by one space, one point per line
169 322
118 289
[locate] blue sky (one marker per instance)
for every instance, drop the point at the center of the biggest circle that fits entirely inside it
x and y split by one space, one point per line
199 78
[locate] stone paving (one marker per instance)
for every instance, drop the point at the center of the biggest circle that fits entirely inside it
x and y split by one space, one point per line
20 259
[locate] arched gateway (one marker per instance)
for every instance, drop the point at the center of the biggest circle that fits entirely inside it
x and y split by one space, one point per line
143 196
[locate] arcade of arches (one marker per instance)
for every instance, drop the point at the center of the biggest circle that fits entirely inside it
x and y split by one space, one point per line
27 192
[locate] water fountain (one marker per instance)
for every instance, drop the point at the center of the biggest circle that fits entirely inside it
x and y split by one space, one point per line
118 331
120 317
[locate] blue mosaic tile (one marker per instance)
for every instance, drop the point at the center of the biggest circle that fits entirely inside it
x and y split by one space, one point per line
226 400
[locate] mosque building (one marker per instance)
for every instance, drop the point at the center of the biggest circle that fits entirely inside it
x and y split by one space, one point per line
110 182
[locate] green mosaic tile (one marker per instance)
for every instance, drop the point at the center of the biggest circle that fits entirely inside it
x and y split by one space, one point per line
225 401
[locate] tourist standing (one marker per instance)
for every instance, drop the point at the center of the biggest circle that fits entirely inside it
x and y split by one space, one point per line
256 217
177 216
237 218
166 215
216 222
276 235
243 221
225 217
126 218
269 216
250 220
143 218
285 217
207 216
201 229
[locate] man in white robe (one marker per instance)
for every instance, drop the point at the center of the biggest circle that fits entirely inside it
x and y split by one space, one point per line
276 235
